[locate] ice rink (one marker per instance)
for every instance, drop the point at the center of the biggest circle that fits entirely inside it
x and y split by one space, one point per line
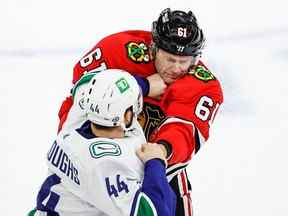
242 170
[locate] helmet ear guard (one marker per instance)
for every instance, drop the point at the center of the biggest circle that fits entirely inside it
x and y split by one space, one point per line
177 32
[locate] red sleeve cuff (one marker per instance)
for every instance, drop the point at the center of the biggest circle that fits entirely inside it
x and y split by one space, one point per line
180 137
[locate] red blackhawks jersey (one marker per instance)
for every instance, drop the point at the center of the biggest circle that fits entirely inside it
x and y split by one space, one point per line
185 112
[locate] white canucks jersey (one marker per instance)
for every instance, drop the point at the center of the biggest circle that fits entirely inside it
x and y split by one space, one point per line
97 176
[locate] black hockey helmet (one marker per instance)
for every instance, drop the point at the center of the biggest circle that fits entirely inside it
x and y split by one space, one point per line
177 32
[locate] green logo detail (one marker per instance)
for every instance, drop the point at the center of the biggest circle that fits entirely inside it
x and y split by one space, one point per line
104 148
202 74
122 85
144 206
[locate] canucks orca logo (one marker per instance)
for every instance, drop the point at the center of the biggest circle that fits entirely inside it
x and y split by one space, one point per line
104 148
202 73
138 52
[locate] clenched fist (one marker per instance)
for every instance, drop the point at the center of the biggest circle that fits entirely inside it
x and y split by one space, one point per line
150 151
157 86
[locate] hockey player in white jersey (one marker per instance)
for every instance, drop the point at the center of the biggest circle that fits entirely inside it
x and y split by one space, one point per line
93 166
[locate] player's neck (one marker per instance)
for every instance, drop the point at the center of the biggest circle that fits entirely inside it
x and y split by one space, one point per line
113 132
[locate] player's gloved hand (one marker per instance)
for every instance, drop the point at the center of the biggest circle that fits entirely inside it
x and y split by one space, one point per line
157 86
150 151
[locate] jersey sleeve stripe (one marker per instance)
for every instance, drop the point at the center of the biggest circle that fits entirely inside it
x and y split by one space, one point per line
144 206
197 141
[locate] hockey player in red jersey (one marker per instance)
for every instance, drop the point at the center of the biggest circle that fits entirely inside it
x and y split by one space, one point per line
181 95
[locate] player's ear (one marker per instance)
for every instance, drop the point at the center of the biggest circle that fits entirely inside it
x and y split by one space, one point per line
128 117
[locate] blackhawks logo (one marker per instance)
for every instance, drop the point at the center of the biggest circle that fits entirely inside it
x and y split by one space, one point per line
138 52
202 73
150 118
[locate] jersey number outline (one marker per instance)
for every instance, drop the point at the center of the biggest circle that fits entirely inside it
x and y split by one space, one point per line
115 190
47 199
202 110
88 59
